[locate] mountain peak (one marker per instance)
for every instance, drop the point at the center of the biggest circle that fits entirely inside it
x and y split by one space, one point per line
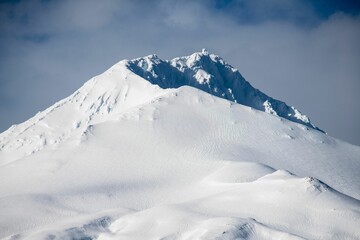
129 146
204 51
210 73
196 56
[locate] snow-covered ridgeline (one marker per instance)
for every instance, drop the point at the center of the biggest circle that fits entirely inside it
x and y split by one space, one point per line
213 75
102 98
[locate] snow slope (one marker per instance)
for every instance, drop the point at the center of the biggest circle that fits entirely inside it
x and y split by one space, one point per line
212 74
124 159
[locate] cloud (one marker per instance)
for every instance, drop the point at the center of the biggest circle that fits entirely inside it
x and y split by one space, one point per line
55 17
258 11
50 48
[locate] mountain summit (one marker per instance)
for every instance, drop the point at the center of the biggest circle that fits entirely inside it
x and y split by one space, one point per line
179 149
213 75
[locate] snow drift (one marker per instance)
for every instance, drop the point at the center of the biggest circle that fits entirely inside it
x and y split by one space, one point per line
178 149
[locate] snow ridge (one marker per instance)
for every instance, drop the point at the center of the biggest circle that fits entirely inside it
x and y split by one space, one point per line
213 75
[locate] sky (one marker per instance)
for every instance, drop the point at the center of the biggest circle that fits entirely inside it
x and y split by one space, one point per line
303 52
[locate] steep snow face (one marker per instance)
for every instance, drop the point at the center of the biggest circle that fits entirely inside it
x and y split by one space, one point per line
101 99
183 165
212 74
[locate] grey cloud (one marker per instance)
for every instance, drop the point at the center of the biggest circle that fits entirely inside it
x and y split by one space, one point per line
258 11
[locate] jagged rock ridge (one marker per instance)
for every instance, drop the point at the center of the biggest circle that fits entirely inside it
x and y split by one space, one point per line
213 75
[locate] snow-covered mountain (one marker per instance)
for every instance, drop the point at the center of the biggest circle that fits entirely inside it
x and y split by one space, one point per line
178 149
213 75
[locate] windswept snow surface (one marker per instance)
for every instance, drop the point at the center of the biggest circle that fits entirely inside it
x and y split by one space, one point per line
143 152
212 74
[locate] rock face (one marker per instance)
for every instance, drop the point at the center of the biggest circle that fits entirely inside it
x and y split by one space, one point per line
213 75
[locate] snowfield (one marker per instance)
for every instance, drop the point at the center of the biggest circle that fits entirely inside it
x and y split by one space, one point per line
180 149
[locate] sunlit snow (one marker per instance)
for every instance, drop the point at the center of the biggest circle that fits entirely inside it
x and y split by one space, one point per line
149 150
